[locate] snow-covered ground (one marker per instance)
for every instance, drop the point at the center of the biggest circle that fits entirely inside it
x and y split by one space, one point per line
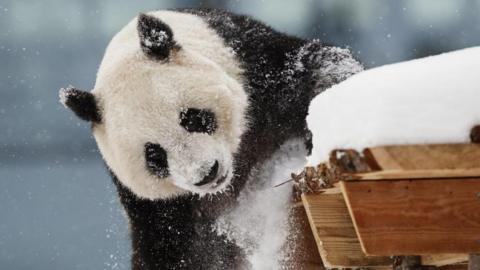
430 100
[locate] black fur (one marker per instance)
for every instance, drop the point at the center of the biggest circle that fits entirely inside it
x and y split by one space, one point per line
82 103
210 175
156 38
198 120
156 159
175 234
280 82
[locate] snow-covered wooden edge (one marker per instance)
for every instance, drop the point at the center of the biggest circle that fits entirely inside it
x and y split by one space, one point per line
401 162
422 101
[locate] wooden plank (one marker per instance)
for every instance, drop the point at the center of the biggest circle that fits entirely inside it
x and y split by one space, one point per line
454 267
334 233
426 157
403 217
422 161
418 174
444 259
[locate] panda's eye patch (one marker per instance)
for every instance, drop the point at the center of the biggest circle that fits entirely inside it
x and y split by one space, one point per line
198 120
156 158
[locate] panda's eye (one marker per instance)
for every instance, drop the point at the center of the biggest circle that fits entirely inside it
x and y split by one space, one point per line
156 158
198 120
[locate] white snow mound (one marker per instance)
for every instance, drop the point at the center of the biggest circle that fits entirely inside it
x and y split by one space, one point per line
430 100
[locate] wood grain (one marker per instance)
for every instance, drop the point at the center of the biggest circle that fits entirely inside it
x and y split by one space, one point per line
444 259
422 161
334 233
418 174
462 266
405 217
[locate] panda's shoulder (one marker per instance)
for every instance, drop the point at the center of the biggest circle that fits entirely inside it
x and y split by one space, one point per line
248 37
231 24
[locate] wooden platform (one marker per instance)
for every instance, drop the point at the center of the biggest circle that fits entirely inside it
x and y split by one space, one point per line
422 161
337 241
399 200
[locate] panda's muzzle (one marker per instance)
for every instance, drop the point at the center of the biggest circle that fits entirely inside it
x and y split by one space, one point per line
210 176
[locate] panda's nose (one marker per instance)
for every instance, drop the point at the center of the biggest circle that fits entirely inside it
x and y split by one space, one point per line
211 175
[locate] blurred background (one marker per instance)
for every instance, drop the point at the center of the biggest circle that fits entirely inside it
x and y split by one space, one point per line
58 208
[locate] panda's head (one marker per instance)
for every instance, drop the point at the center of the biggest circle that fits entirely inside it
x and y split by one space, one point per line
168 107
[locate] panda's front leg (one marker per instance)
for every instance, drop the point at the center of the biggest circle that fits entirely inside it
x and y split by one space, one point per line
177 233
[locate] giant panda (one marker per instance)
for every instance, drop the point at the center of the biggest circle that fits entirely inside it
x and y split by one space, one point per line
187 103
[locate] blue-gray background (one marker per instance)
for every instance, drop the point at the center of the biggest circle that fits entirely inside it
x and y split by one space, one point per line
58 209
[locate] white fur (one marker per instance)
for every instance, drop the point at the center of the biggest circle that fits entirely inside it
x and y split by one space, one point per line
140 100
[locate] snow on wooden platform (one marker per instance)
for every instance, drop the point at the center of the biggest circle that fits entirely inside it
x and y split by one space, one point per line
429 100
397 173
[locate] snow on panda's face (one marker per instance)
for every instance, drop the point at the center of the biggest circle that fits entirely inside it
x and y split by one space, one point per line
170 125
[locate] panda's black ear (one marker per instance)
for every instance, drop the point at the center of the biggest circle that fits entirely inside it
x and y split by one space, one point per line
82 103
156 37
329 65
